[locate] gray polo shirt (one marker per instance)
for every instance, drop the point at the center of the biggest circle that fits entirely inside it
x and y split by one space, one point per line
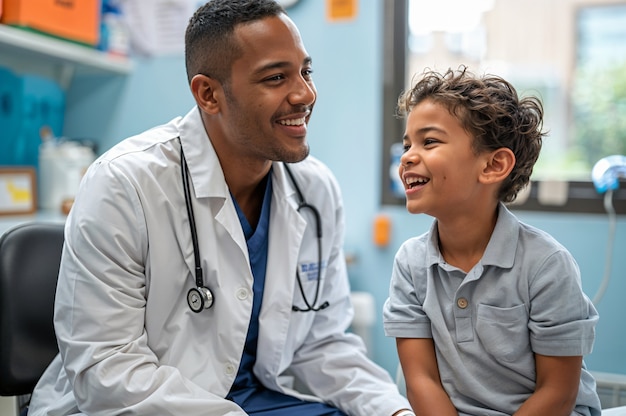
523 297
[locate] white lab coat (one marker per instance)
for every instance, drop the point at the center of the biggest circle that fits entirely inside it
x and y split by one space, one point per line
129 343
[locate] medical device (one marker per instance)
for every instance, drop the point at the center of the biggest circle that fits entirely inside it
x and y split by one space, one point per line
201 297
318 228
605 176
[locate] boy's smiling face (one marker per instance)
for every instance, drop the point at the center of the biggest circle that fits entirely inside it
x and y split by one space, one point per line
439 168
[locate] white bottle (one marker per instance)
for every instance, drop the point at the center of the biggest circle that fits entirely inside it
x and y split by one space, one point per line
61 168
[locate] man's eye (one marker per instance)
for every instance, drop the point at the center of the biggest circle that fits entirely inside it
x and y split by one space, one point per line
278 77
307 73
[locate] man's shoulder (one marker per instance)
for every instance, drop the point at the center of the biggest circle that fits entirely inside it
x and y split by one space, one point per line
143 141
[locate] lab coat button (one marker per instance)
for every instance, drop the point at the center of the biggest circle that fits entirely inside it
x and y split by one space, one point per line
242 294
461 303
229 369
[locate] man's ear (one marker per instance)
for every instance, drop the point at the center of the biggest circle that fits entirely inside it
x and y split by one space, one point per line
498 165
207 92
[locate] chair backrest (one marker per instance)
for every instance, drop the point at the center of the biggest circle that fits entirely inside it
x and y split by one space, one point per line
30 255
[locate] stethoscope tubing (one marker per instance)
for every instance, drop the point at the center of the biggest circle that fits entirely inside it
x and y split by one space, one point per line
192 219
318 228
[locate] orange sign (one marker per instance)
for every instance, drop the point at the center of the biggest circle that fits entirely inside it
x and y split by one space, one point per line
341 9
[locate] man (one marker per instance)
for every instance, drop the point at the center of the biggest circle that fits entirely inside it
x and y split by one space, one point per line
199 277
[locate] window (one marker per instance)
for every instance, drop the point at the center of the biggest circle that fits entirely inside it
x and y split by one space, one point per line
571 53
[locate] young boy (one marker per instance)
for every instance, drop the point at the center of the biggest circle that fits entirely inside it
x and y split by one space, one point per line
488 313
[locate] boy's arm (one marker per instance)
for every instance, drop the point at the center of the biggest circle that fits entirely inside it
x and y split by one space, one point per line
557 386
423 384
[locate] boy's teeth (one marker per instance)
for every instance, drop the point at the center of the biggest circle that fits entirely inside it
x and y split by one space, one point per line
411 180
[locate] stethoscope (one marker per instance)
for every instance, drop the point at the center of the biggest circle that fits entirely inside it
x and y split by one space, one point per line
201 297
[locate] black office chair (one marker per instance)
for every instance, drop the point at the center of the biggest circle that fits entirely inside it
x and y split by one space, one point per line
30 254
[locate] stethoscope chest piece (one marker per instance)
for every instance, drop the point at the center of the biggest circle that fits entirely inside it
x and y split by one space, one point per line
199 298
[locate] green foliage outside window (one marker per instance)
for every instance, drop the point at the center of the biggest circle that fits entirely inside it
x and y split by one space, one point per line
599 112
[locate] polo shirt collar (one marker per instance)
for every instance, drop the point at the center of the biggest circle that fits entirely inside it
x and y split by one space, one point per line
504 239
502 245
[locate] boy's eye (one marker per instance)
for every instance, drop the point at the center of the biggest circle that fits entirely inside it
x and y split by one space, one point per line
405 148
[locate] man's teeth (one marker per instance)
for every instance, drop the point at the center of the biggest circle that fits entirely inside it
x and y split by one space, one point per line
412 180
292 122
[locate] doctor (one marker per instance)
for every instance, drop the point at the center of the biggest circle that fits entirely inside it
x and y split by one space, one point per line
198 276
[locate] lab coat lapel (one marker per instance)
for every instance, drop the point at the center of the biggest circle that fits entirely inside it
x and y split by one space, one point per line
286 233
210 197
285 237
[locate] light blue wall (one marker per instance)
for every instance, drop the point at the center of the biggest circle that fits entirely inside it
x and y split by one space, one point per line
108 109
346 132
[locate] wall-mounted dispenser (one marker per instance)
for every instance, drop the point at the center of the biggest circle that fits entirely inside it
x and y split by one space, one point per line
607 171
605 176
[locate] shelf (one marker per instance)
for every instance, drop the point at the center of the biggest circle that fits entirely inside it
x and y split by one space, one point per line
24 50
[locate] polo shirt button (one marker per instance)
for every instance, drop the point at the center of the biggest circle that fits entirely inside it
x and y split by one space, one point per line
461 303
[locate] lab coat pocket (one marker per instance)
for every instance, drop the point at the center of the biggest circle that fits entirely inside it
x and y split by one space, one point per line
503 331
309 285
305 297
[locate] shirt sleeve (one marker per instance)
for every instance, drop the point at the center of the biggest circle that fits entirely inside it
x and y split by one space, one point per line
562 318
100 310
403 312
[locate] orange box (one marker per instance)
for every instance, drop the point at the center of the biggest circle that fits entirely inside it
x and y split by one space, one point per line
77 20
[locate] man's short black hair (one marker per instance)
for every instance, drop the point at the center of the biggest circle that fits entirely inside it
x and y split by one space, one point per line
210 48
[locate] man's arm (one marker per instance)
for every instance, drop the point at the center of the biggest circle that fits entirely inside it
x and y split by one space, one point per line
101 306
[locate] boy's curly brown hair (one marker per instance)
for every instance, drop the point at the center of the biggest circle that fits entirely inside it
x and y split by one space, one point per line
490 110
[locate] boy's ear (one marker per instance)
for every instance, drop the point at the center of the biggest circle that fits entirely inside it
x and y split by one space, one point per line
207 92
498 165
